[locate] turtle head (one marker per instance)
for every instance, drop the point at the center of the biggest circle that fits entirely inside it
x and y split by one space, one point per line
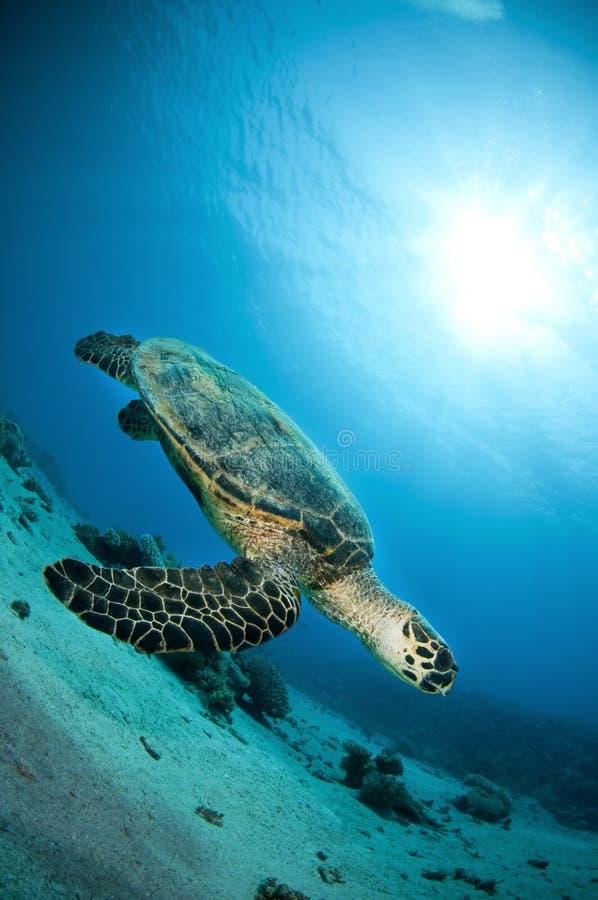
409 647
393 631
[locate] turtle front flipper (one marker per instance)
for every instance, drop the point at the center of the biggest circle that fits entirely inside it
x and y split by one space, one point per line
135 420
227 607
109 352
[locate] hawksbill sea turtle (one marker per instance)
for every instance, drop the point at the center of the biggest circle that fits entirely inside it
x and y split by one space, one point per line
272 496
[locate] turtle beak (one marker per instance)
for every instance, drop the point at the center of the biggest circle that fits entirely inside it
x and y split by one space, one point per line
442 677
424 659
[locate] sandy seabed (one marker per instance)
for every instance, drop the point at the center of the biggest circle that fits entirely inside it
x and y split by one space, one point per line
86 811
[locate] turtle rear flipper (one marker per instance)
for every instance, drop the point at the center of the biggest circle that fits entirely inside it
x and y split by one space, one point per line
135 420
227 607
109 352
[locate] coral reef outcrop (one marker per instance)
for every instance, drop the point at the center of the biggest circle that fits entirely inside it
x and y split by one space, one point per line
266 689
484 801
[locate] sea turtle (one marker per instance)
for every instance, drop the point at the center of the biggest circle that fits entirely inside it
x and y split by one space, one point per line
272 496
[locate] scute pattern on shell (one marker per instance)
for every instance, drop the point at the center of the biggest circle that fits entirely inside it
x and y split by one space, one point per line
251 454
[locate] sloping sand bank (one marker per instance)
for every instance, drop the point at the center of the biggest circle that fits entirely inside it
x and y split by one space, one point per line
87 812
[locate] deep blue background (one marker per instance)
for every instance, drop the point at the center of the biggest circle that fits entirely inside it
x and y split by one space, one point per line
272 181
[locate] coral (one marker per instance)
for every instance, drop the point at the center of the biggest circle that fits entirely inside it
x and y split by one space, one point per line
389 763
220 699
221 680
89 537
12 444
113 548
381 791
150 551
119 548
266 688
154 553
237 681
217 675
386 792
485 801
271 889
456 737
356 764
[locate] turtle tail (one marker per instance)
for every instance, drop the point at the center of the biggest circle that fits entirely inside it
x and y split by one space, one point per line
109 352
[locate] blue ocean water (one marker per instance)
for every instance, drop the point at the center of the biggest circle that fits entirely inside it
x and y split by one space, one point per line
381 213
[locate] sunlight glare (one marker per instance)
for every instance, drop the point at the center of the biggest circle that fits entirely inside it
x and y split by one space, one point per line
494 276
